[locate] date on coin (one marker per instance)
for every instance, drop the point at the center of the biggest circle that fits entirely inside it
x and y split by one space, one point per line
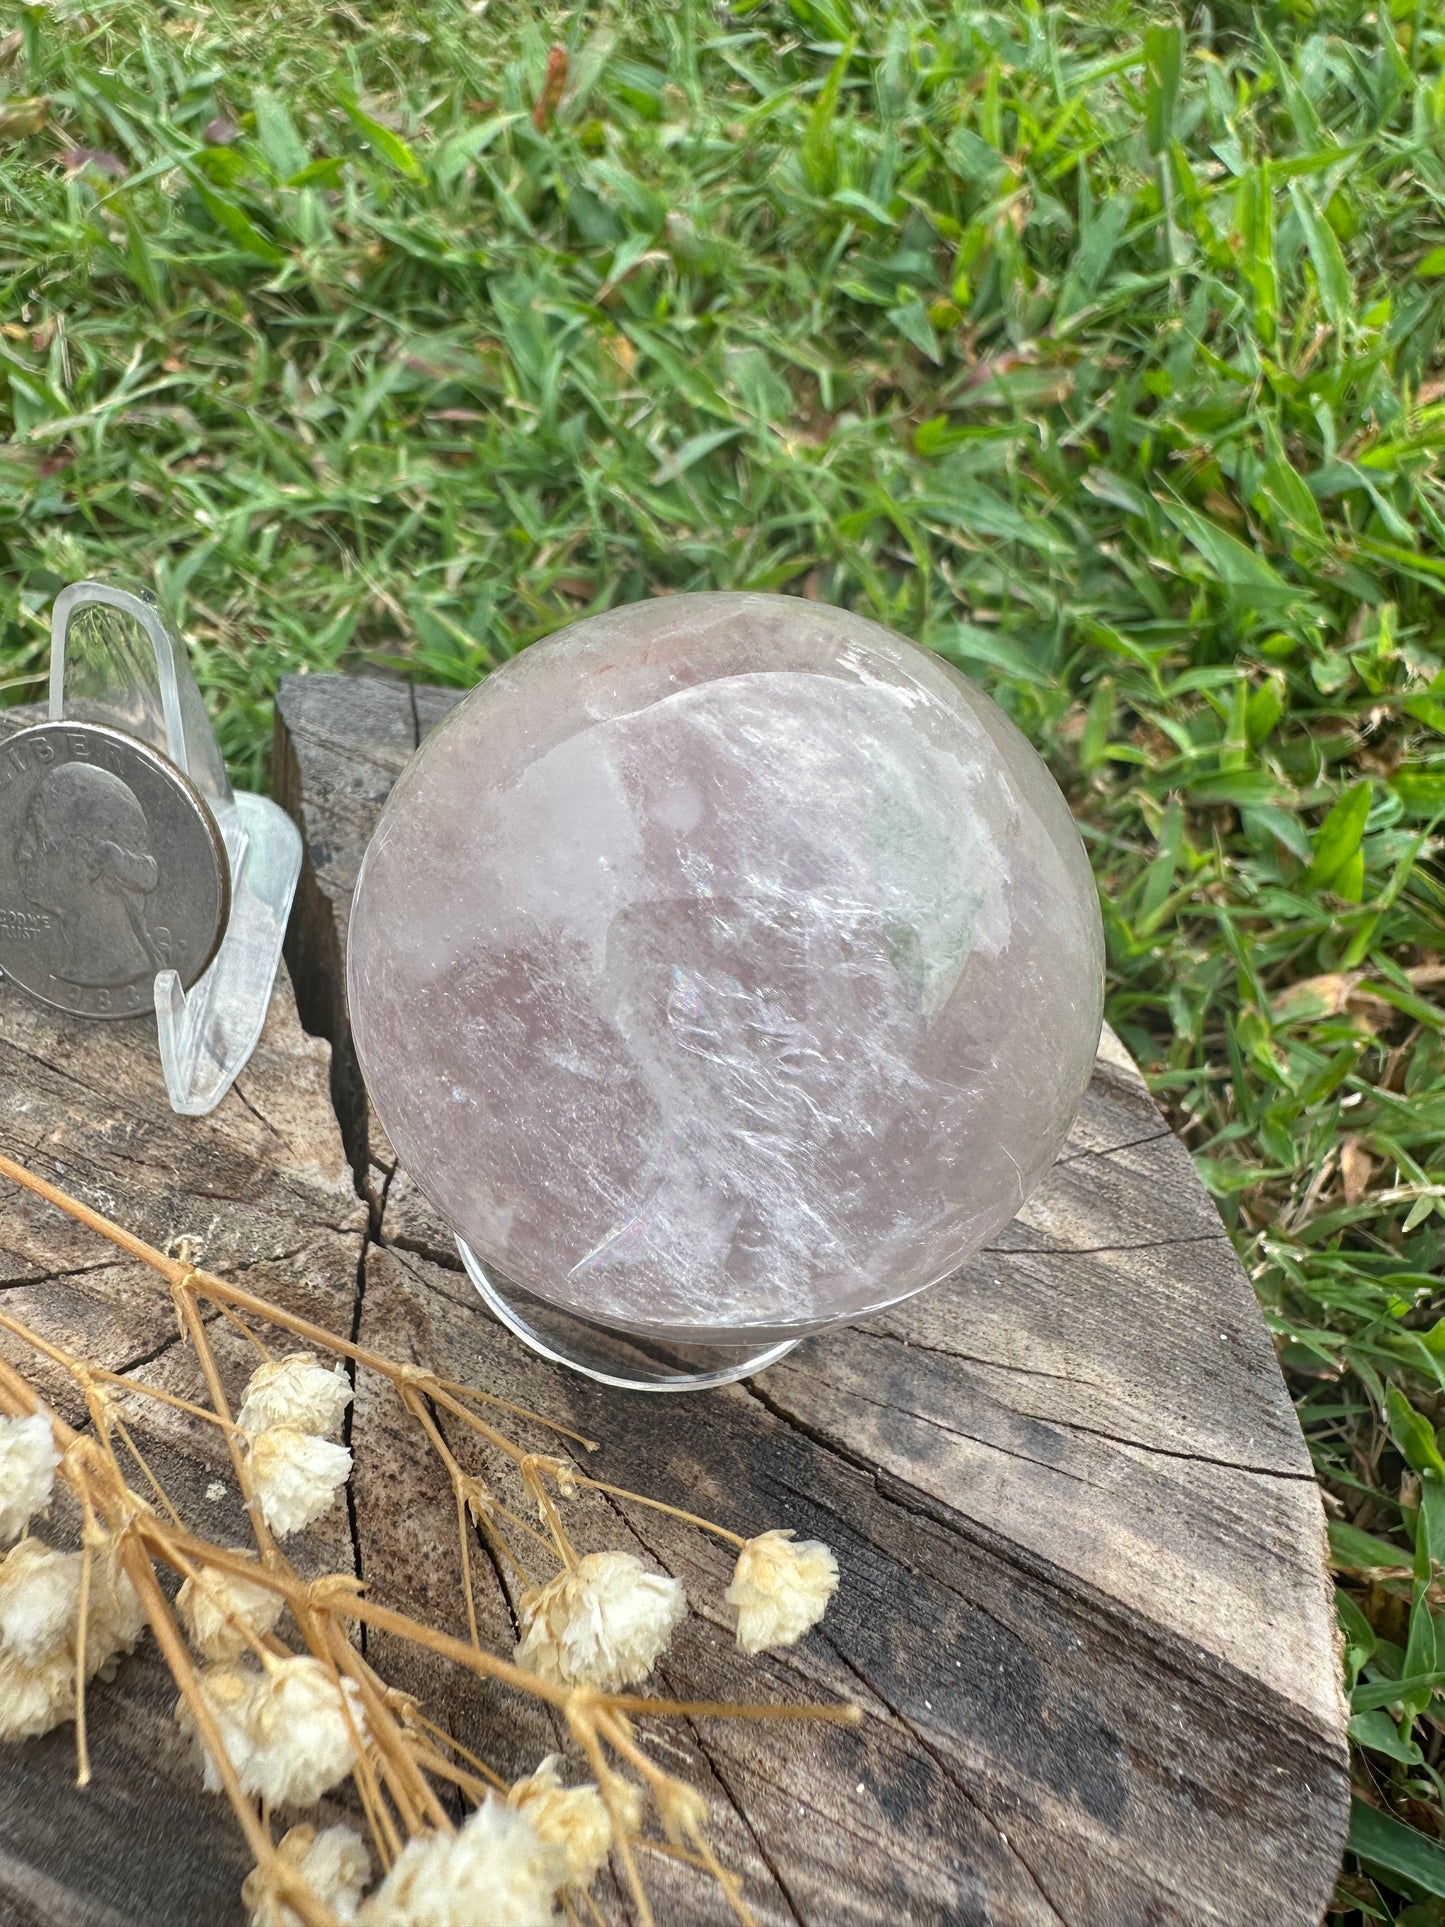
111 868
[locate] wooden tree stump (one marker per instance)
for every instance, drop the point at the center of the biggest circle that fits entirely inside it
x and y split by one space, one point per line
1084 1604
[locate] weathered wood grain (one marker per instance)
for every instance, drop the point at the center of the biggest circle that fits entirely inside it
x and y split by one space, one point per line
1086 1598
1083 1597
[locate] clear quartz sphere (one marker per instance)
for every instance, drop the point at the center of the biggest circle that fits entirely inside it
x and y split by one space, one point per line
726 965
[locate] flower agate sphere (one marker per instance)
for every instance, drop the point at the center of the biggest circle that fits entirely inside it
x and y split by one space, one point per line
726 965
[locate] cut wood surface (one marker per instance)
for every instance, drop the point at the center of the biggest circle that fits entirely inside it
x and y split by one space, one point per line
1083 1606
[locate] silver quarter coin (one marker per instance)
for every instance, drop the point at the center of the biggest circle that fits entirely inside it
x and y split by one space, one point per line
111 868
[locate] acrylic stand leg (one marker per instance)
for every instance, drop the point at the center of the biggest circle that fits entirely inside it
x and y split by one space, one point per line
113 660
207 1034
615 1357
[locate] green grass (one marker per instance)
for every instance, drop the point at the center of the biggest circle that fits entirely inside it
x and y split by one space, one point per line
1105 360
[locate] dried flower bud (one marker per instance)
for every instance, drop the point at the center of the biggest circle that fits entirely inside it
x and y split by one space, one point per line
115 1619
334 1865
606 1624
230 1696
298 1391
218 1612
296 1476
495 1869
28 1459
682 1811
573 1819
780 1589
283 1727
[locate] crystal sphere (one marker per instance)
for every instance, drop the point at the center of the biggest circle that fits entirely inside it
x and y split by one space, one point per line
726 964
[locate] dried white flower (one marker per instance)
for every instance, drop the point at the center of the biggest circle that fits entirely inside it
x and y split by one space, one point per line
218 1613
33 1699
39 1624
39 1601
573 1819
334 1864
283 1727
298 1391
296 1476
603 1625
28 1459
39 1598
780 1589
303 1739
495 1870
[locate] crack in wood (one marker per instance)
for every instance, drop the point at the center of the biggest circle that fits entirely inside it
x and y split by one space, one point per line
874 1330
265 1122
23 1049
1114 1150
1090 1251
385 762
157 1351
748 1825
1078 1425
34 1153
1174 1452
358 1301
60 1276
446 1260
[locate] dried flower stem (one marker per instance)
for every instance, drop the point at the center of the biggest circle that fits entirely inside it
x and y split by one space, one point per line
584 1731
517 1411
82 1632
194 1326
491 1779
395 1752
613 1727
655 1505
460 1484
238 1323
550 1517
154 1483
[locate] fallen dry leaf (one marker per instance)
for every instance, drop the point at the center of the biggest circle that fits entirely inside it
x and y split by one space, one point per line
1356 1167
76 158
21 118
552 89
1324 996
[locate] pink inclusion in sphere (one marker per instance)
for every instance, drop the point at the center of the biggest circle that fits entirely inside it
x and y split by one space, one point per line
726 964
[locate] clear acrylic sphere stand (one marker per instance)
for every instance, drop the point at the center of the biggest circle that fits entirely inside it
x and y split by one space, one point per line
113 660
610 1356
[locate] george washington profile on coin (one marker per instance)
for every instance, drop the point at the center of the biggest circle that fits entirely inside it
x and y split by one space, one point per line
85 856
111 869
